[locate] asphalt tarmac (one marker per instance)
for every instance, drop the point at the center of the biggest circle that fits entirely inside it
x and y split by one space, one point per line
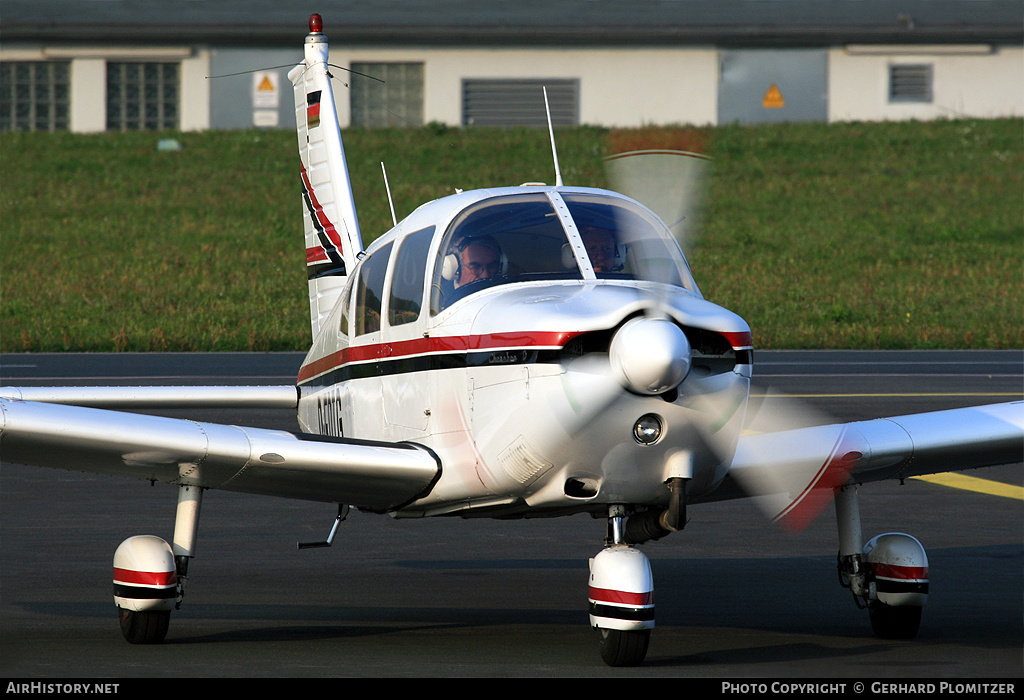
736 598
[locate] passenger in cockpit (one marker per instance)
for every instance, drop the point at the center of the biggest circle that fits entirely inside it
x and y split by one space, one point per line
601 249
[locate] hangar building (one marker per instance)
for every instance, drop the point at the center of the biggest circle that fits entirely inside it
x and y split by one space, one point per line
102 65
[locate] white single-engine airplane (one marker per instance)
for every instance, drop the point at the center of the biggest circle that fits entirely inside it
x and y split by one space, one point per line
514 352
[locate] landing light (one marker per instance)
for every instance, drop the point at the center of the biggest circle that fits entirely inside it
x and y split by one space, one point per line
647 429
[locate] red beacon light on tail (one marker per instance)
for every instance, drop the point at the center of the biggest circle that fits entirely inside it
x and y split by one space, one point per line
316 24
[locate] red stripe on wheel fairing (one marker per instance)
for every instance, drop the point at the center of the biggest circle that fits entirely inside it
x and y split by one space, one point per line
607 595
900 573
145 578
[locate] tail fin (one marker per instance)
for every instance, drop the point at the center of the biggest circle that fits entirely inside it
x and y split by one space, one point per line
333 240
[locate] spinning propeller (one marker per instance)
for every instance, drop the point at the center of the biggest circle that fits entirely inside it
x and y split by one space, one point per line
670 183
649 354
789 460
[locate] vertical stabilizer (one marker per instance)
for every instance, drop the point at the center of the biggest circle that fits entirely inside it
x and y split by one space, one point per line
332 230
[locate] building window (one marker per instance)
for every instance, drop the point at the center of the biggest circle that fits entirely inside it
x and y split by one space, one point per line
34 96
910 82
142 96
519 102
397 101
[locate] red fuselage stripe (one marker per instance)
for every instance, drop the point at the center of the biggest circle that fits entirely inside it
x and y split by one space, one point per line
441 344
739 340
314 255
448 344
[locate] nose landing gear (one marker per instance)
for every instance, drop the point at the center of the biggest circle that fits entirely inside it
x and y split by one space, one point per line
621 595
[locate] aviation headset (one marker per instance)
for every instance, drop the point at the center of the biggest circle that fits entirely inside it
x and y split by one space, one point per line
453 261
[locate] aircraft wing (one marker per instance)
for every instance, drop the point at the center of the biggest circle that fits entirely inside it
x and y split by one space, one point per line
134 397
793 472
370 475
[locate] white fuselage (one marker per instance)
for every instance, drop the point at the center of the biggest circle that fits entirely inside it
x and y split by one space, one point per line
490 385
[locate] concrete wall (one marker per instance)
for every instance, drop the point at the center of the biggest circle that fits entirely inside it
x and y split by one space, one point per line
618 87
88 77
968 81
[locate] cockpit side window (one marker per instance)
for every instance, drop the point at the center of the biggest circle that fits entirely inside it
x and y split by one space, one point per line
406 295
370 290
346 296
500 240
626 242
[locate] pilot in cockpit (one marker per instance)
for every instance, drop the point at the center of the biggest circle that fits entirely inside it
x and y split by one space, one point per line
470 259
478 258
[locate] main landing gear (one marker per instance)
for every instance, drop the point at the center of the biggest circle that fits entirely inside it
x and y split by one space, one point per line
150 574
888 575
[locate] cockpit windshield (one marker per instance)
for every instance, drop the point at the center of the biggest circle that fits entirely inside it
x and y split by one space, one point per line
505 239
523 238
626 242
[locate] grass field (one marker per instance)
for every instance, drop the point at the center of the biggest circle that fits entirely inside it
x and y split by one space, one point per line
892 235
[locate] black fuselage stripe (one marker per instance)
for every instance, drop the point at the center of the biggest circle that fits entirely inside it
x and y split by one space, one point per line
426 363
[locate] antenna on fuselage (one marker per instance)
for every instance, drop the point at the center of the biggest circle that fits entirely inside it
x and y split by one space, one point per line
551 131
391 202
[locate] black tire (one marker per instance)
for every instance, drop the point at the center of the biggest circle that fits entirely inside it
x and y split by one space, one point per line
144 627
890 622
620 648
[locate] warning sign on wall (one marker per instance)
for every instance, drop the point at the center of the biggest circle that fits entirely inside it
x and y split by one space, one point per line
773 98
265 93
266 97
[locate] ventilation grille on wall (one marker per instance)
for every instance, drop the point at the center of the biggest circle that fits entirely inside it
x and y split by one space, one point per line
519 102
910 82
